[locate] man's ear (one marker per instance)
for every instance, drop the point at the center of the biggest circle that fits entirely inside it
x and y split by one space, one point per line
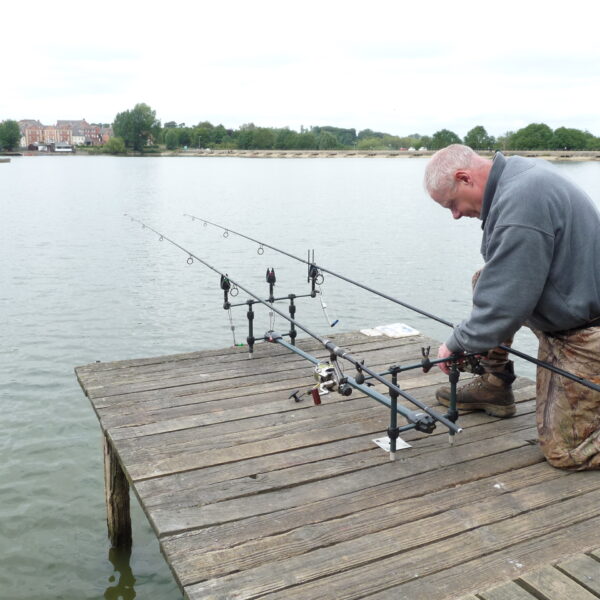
463 177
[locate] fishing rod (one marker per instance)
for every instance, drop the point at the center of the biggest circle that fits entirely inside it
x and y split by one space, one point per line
312 265
331 376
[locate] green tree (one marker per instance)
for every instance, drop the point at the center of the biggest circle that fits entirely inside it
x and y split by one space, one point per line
478 139
536 136
202 137
504 141
327 141
443 138
410 141
263 138
137 126
369 133
593 143
10 135
370 143
171 139
570 139
184 136
425 142
305 141
344 137
285 139
115 145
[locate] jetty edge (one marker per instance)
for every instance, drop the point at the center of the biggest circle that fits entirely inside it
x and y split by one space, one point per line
255 495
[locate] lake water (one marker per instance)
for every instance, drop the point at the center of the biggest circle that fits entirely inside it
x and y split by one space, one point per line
80 282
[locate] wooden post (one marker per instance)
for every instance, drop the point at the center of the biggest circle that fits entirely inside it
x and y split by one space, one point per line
116 490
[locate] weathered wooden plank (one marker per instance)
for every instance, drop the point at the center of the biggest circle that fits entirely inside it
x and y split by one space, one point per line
551 584
583 569
147 421
162 407
369 349
166 462
235 354
261 349
202 383
199 483
494 522
193 566
234 432
368 485
186 549
286 469
261 370
297 371
496 567
165 451
506 591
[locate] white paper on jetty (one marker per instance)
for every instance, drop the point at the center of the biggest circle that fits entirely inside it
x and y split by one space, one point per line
394 330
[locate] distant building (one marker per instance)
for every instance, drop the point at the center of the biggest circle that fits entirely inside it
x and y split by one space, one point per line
83 134
70 132
32 132
106 133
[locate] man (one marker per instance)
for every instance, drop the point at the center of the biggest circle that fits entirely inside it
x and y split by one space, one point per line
541 247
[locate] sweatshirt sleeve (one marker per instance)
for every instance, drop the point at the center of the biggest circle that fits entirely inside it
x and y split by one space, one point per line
518 261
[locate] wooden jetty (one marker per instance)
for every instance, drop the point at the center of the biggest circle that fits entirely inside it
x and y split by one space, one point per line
253 495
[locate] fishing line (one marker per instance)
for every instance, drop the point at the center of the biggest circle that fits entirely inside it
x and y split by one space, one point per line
420 421
313 265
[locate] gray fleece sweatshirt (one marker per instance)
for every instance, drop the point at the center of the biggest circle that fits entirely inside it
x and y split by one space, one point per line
541 246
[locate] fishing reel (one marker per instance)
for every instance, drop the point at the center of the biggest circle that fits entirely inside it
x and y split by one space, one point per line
470 364
329 378
467 363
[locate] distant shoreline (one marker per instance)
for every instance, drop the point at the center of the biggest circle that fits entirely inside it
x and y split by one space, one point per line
553 155
582 155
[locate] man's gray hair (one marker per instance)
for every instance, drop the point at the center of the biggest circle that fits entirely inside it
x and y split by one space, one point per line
439 174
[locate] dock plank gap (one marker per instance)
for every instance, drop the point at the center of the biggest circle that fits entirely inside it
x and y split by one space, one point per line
254 495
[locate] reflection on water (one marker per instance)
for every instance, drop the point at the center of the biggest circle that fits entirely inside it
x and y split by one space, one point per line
80 283
122 578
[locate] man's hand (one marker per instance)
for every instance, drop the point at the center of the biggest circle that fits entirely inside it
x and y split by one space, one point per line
443 352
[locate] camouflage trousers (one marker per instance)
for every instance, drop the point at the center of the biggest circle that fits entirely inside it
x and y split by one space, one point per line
567 413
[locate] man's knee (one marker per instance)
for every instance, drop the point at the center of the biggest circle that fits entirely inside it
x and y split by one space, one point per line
585 456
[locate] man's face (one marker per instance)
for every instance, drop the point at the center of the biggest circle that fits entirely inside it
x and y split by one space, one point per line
464 200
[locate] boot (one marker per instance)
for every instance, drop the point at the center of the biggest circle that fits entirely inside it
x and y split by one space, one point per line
491 392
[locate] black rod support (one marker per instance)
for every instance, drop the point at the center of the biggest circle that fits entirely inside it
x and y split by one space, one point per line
393 431
545 365
250 339
421 422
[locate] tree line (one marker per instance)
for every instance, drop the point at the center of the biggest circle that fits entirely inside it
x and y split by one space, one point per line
139 125
139 130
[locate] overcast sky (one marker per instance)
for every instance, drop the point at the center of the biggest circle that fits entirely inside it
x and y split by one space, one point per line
388 65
